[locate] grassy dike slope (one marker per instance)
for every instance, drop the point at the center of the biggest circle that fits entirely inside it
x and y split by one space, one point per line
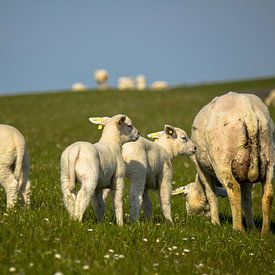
43 240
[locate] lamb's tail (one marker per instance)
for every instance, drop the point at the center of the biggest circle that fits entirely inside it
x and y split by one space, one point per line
72 158
20 151
252 127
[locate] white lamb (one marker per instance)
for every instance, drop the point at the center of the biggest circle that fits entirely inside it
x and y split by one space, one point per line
149 166
14 165
101 78
125 83
159 85
97 166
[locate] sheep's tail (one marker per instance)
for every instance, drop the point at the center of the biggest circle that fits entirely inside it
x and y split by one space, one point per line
251 125
20 152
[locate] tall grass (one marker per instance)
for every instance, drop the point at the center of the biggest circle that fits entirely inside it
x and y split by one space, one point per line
43 240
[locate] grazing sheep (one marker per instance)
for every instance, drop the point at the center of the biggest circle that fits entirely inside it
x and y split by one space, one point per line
14 165
234 139
101 78
159 85
97 166
140 82
270 99
78 87
149 167
125 83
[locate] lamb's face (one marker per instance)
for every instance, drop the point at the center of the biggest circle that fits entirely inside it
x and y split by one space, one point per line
180 142
128 131
196 202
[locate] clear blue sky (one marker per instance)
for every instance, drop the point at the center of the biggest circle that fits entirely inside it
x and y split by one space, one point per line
47 45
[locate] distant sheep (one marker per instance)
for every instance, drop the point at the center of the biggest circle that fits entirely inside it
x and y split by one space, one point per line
101 78
78 87
14 165
126 83
270 99
159 85
140 82
97 166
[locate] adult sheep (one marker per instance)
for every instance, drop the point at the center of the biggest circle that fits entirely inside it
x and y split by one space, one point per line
234 139
14 165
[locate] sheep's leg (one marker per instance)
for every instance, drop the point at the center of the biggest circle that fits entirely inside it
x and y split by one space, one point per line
99 204
233 190
69 196
117 193
165 189
10 185
267 198
147 205
246 189
209 184
136 194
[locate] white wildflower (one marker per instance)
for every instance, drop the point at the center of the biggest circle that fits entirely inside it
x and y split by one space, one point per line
90 229
174 247
157 240
57 256
12 269
107 256
86 267
145 240
186 250
111 251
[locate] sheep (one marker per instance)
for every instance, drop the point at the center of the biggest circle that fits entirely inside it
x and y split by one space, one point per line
159 85
78 87
270 99
101 78
149 166
14 165
140 82
97 166
234 139
125 83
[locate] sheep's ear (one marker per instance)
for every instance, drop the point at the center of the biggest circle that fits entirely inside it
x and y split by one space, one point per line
170 131
121 119
155 135
100 121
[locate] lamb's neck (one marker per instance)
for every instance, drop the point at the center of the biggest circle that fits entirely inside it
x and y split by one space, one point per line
112 138
167 147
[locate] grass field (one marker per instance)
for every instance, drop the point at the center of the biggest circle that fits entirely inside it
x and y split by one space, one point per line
43 240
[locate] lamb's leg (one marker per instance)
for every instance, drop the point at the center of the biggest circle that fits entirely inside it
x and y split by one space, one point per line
10 185
117 193
84 195
99 204
246 189
165 189
267 198
147 205
105 193
136 194
69 196
24 183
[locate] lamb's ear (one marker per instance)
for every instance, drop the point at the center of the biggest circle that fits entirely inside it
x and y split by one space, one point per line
100 121
178 191
155 135
170 131
121 119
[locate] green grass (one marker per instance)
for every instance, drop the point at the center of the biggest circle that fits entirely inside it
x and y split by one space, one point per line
43 240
